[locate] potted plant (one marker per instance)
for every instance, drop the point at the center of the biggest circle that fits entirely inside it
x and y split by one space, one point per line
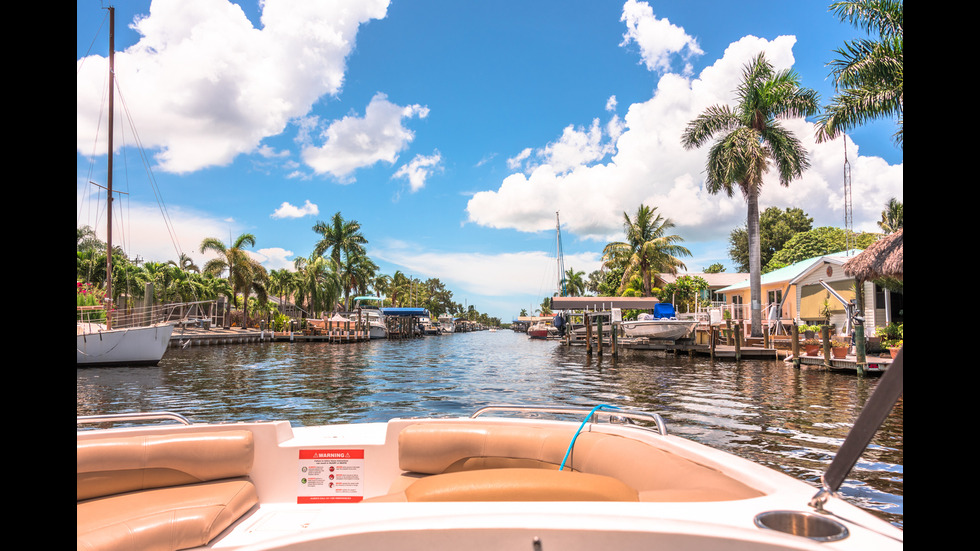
893 347
839 347
811 347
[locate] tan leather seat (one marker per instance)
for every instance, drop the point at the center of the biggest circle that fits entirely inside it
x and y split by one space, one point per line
514 484
166 492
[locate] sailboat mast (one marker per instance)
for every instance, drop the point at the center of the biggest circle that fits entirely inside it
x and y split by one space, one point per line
108 256
561 259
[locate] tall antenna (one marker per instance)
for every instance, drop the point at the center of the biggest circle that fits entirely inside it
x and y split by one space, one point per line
848 216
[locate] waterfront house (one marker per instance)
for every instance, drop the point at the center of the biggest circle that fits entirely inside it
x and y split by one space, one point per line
716 282
793 295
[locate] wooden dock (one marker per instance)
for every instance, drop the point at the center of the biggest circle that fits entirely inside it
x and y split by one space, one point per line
184 337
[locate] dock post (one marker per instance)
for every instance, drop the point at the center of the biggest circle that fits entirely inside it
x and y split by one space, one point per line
860 359
795 343
712 339
825 336
613 330
588 333
738 342
598 326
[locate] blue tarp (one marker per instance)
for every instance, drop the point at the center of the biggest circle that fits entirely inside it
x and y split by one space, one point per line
406 312
663 310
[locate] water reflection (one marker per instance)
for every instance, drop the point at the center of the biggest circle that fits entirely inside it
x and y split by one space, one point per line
790 420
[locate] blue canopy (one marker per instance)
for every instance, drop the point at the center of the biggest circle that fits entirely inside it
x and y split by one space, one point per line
406 312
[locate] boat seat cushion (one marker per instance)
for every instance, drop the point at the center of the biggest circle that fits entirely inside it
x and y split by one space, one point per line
108 466
514 484
162 491
656 474
171 518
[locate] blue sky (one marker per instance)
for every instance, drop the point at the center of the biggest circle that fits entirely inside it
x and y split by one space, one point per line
452 131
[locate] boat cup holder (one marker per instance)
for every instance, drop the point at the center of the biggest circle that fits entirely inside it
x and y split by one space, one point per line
800 523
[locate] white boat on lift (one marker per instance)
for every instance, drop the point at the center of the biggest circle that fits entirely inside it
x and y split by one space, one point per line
507 477
372 314
447 324
661 325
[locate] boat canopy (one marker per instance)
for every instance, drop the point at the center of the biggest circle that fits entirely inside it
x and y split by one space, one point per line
603 303
369 298
405 312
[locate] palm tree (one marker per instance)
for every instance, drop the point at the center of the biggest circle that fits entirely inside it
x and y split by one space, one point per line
892 216
752 138
356 273
648 248
574 283
281 284
317 283
338 237
244 273
869 74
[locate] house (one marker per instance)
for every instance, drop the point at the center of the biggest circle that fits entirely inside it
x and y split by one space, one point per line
795 295
716 282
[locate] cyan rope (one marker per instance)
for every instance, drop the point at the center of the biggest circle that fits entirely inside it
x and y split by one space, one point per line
580 427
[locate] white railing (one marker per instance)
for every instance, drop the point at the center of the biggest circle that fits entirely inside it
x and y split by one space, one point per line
201 312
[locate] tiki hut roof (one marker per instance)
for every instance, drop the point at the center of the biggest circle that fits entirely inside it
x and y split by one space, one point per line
882 259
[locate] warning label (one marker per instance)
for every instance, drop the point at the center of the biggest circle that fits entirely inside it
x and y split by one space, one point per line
330 476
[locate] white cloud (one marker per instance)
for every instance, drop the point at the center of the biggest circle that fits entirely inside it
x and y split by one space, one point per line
650 166
287 210
419 169
356 142
274 258
658 39
206 85
514 163
495 275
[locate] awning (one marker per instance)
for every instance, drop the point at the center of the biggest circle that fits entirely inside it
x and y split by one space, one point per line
405 312
603 303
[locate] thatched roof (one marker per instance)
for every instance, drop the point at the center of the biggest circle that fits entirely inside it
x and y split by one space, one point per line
882 259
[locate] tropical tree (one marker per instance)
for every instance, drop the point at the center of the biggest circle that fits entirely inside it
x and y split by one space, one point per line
648 248
776 227
281 284
245 274
339 236
356 273
892 217
751 139
574 283
868 74
317 283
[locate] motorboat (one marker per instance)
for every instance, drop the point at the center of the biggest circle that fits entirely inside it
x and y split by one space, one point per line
447 324
505 477
541 330
663 324
371 313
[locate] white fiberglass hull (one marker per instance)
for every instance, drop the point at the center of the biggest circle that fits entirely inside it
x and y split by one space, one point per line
369 455
127 346
659 329
377 330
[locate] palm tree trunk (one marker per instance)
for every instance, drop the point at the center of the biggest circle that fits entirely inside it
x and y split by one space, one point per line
755 261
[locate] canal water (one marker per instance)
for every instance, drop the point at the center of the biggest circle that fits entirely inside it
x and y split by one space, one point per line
791 420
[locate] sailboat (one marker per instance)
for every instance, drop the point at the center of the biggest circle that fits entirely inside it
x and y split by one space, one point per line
134 339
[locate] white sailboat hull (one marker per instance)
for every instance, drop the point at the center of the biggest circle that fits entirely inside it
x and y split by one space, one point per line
127 346
659 329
